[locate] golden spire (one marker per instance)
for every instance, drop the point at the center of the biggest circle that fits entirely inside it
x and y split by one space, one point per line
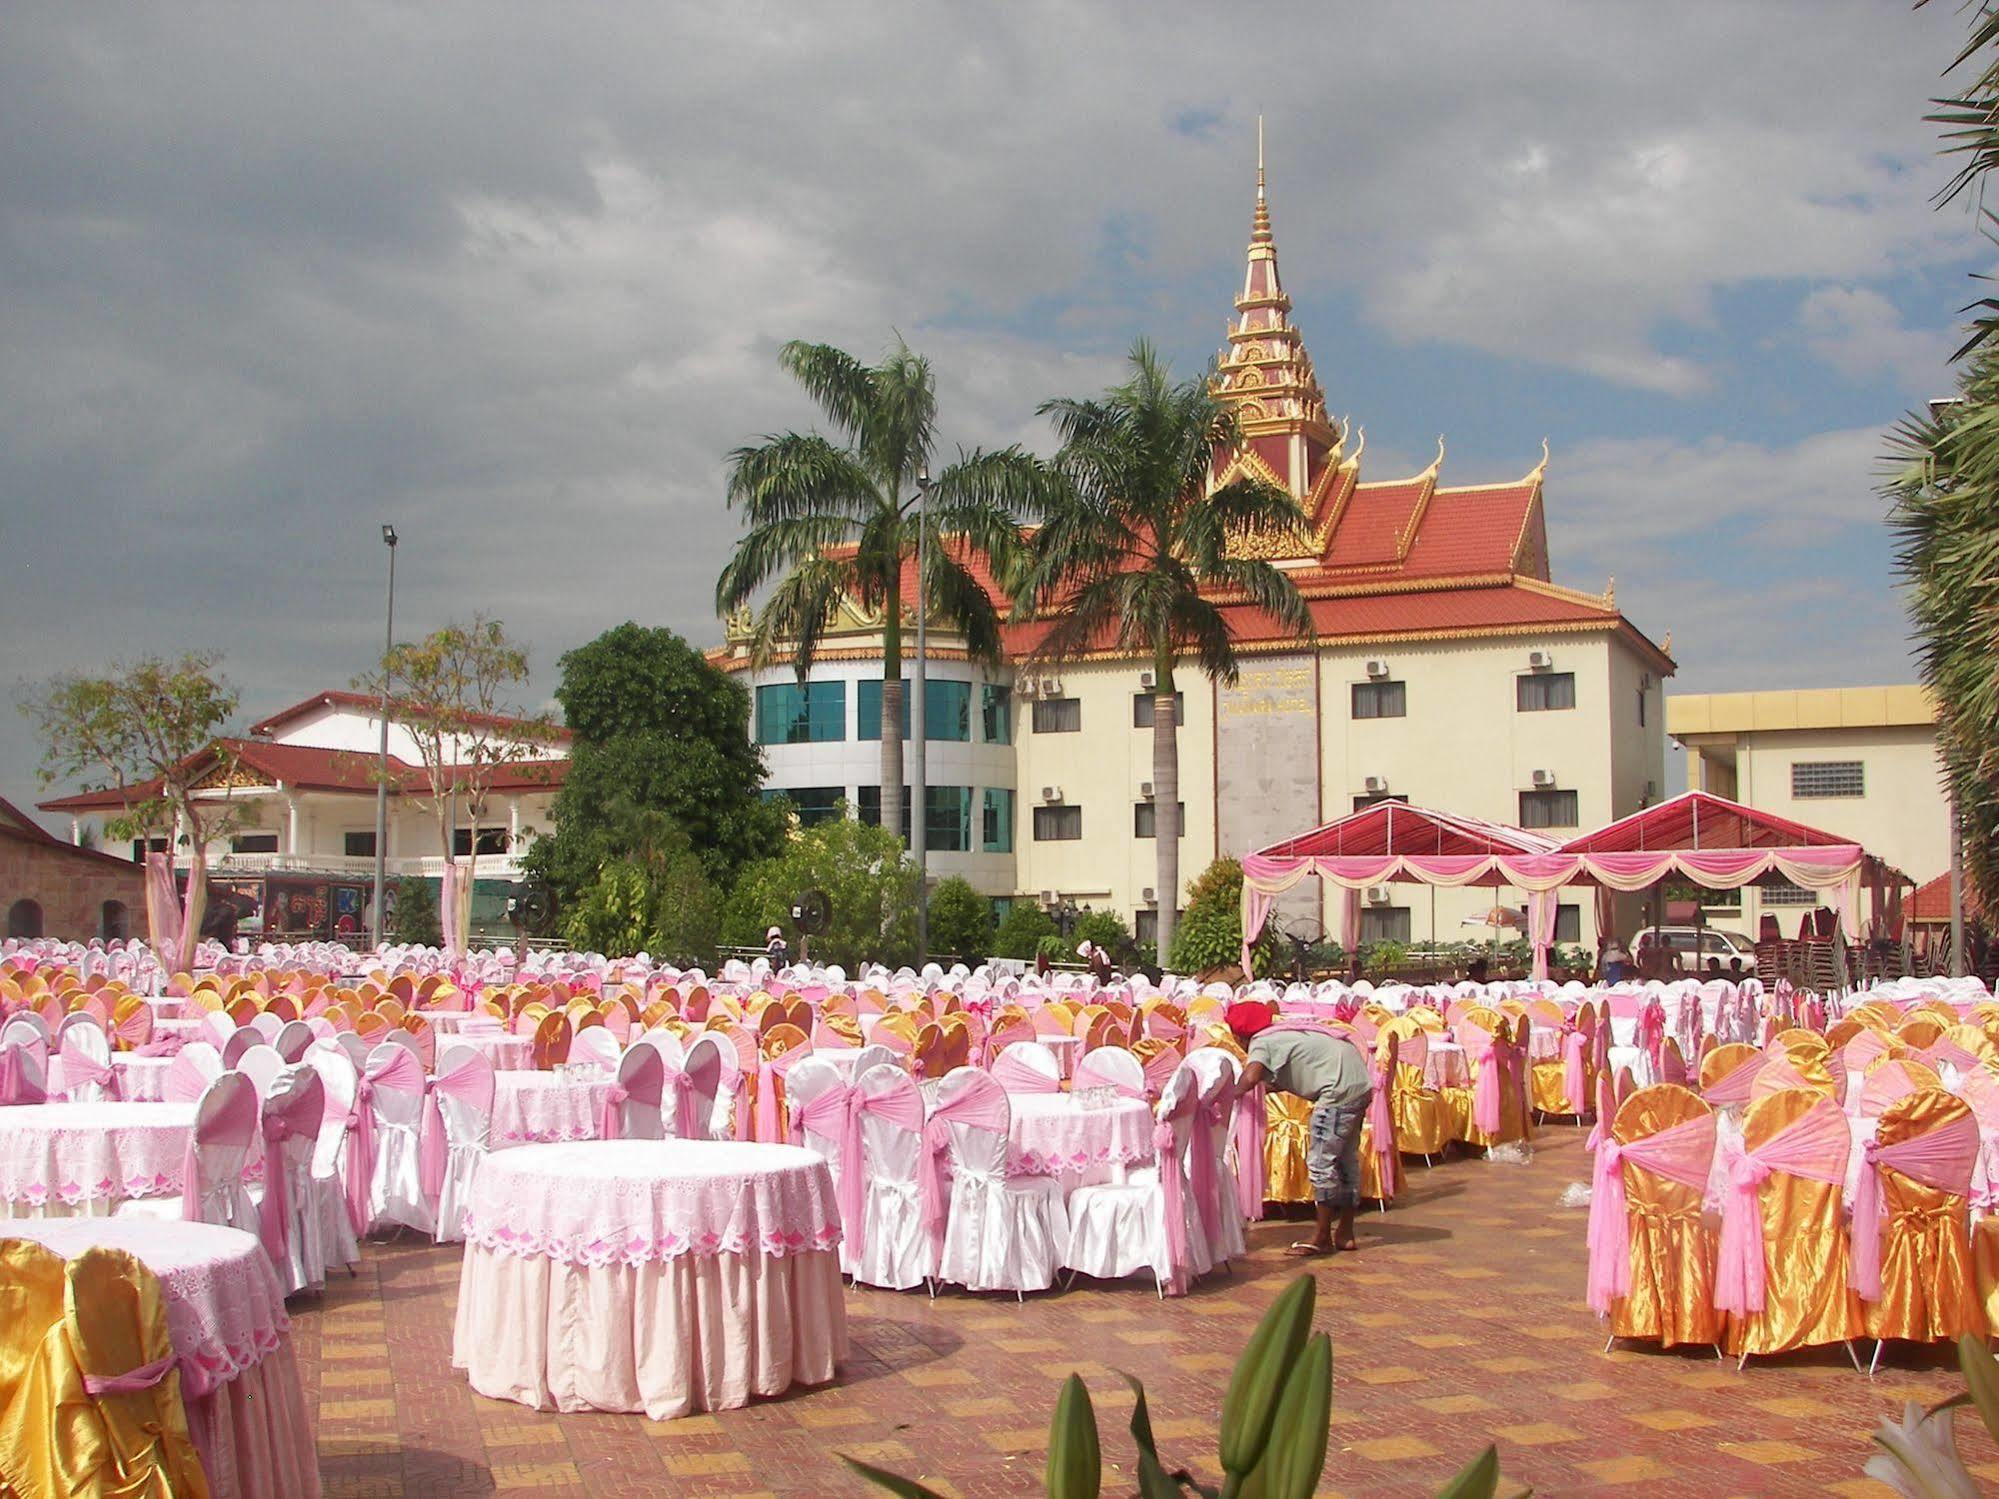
1260 225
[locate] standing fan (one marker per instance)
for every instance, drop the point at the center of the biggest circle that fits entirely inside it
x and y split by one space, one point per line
812 912
534 907
1304 934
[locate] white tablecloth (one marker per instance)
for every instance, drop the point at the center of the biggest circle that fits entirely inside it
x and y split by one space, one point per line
86 1158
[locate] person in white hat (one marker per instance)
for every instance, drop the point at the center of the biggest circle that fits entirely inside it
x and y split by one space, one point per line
777 947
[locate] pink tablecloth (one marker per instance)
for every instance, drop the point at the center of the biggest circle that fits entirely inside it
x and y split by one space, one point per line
539 1108
1445 1065
59 1158
647 1276
226 1315
507 1053
1055 1135
189 1028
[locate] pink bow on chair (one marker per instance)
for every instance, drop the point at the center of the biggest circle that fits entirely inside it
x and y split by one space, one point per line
1815 1146
136 1029
17 1079
81 1070
835 1114
1382 1118
1733 1087
1169 1144
1575 1071
296 1115
1941 1158
980 1107
770 1072
1017 1076
1484 1053
400 1072
1247 1129
468 1082
1681 1154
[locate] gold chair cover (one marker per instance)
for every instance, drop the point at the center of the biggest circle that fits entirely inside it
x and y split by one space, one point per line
1672 1243
1929 1292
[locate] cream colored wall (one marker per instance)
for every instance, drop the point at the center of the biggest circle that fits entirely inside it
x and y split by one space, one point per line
1101 770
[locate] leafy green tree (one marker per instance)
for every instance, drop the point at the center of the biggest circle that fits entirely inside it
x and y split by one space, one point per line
961 921
1134 549
656 899
415 920
830 520
656 732
867 878
1020 935
1105 929
147 730
1944 484
1210 937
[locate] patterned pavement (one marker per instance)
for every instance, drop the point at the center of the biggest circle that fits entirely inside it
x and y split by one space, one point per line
1460 1322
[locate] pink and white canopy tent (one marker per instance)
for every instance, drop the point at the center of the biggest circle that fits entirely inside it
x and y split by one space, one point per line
1695 836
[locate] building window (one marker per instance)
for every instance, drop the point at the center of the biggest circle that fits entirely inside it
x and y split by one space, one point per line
1641 707
1548 809
813 804
1544 691
1145 925
1568 923
1812 778
947 710
868 708
1784 893
1144 705
1058 824
24 919
1375 798
995 714
1058 715
1145 819
112 922
1384 924
868 808
143 846
814 713
996 821
1380 700
254 843
487 841
358 845
947 822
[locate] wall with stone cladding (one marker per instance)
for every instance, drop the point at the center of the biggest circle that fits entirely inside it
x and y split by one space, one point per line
70 887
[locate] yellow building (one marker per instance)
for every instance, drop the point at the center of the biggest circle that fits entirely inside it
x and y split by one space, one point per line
1447 669
1860 762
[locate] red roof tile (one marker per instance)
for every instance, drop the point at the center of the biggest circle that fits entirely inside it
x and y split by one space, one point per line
1370 532
1469 531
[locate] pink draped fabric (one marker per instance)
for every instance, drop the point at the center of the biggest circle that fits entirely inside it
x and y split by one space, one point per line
1382 1119
980 1107
136 1029
1487 1092
401 1073
17 1082
163 914
80 1069
1169 1140
467 1081
1575 1071
1089 1074
1681 1154
133 1381
770 1072
1732 1087
1016 1076
1941 1158
1250 1122
298 1114
1815 1146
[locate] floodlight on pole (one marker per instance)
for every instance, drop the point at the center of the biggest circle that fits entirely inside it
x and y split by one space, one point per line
382 769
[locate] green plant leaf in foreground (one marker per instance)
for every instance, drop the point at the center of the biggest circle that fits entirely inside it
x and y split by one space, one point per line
1296 1455
895 1483
1153 1480
1075 1463
1258 1380
1480 1480
1981 1374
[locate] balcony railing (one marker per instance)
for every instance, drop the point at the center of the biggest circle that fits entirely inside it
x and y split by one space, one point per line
491 866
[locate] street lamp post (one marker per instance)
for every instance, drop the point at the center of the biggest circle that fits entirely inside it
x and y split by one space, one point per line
920 726
382 769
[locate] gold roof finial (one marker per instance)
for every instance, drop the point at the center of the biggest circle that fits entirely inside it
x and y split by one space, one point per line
1539 470
1260 225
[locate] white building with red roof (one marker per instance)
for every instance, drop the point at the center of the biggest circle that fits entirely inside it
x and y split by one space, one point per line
1447 668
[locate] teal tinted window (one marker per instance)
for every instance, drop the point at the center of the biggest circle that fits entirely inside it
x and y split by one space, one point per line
947 822
996 714
996 821
947 710
868 709
815 713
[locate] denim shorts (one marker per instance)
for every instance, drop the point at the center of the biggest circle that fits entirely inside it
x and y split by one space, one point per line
1332 1153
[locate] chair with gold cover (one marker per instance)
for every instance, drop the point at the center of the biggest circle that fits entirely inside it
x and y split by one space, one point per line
552 1036
1421 1124
1651 1253
31 1312
118 1330
1783 1265
1912 1261
778 1050
1561 1084
1286 1133
1490 1110
1796 1066
1890 1080
1920 1031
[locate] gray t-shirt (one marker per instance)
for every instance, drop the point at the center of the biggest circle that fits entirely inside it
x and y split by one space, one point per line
1314 1065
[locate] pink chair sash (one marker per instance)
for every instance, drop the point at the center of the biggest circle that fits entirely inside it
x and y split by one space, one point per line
79 1069
1483 1053
1016 1076
132 1382
1815 1146
400 1072
1207 1117
1159 1069
136 1029
771 1071
468 1082
1168 1143
16 1083
1089 1075
1732 1087
835 1114
1941 1158
825 1038
299 1114
1250 1122
977 1107
1681 1154
1575 1071
1381 1118
645 1084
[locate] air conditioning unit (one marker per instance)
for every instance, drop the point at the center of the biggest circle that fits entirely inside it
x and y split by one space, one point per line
1150 896
1147 681
1048 897
1544 778
1645 682
1375 785
1377 668
1051 793
1378 895
1051 686
1026 687
1145 791
1539 660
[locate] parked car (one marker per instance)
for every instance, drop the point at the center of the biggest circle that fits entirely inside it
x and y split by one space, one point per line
1706 941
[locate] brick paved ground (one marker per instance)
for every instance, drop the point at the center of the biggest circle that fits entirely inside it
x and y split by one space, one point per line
1461 1323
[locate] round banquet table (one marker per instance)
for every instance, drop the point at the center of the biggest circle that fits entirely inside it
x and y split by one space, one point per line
636 1275
189 1028
456 1023
507 1053
83 1159
232 1341
1444 1065
541 1108
1055 1134
1066 1049
140 1079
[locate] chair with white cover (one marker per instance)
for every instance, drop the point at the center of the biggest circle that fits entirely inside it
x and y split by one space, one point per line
261 1064
713 1060
824 1128
266 1025
292 1040
342 1081
355 1047
24 1068
1027 1067
193 1068
1124 1227
212 1189
24 1027
1217 1204
291 1216
594 1046
876 1056
85 1056
392 1090
395 1035
688 1097
892 1248
237 1043
632 1108
463 1089
217 1026
1001 1232
1112 1067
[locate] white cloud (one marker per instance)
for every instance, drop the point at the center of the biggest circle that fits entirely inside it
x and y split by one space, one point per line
1861 333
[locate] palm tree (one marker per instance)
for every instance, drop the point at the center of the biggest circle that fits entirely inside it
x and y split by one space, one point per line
1132 555
827 521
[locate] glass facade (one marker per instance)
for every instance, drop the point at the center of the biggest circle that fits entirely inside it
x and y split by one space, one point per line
947 820
996 714
947 709
814 713
996 831
813 804
868 709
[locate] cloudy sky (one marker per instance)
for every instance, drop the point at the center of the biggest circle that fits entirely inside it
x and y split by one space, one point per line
513 276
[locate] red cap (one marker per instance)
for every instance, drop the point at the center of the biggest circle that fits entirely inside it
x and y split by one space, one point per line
1247 1017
